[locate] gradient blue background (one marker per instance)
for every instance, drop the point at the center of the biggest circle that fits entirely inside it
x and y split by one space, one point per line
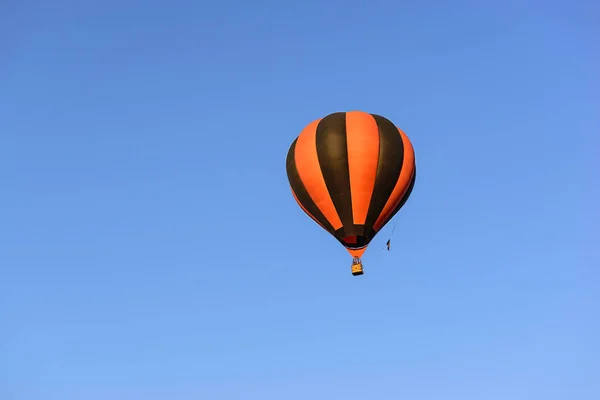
150 247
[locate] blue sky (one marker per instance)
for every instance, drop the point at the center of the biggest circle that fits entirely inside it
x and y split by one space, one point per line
150 247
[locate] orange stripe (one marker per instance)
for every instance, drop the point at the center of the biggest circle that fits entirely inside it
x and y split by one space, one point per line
362 136
307 164
403 182
306 211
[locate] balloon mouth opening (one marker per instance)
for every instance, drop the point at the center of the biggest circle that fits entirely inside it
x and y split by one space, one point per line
354 242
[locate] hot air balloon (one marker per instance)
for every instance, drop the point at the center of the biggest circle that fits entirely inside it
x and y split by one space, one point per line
351 172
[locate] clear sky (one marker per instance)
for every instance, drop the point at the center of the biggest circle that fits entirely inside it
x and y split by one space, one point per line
150 247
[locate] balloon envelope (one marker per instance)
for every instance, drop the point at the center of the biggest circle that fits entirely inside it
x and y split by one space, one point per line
351 172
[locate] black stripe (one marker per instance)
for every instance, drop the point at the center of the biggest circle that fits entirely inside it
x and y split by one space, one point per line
301 193
404 198
389 166
332 150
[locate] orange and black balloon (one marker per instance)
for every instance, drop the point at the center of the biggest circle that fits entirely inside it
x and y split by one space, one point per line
351 172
